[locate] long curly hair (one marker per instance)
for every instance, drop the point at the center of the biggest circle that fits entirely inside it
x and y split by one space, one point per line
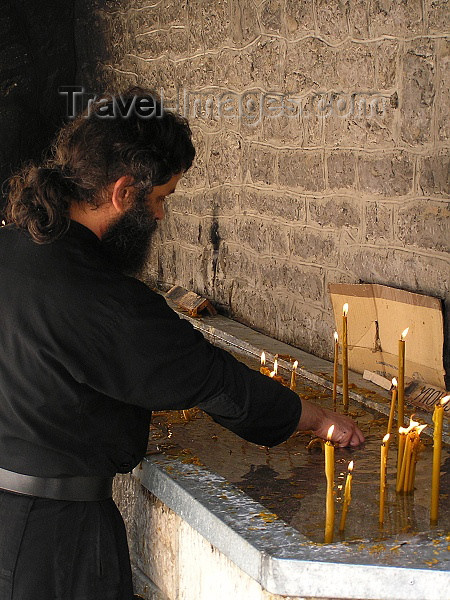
90 153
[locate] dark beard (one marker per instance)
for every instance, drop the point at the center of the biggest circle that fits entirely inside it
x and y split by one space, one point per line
126 242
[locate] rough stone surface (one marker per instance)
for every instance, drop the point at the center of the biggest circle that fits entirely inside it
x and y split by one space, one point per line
434 175
418 92
335 212
330 163
425 225
378 222
386 174
341 168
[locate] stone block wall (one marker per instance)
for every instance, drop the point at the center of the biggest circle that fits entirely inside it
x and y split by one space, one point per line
321 129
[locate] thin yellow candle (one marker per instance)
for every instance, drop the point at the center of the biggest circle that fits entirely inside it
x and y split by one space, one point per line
393 402
438 416
263 362
344 358
347 496
415 444
401 378
263 369
294 375
384 448
406 458
406 466
401 448
275 369
329 473
335 369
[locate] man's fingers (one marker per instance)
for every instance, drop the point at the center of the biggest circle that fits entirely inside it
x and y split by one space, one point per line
351 437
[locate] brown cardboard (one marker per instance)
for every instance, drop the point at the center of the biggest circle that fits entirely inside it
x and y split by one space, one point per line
425 396
377 316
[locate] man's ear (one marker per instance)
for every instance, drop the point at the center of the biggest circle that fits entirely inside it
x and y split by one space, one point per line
122 193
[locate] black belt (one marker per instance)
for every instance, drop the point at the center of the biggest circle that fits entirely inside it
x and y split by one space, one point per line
79 489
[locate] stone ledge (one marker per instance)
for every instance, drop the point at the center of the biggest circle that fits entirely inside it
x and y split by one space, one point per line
277 557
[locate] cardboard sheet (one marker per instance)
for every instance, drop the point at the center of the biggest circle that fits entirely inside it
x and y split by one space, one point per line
377 316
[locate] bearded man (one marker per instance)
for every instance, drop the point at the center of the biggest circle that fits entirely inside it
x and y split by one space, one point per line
87 351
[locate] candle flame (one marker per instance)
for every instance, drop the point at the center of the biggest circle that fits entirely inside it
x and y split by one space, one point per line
336 337
272 374
263 358
444 400
295 365
345 309
404 333
330 432
386 438
411 427
394 382
350 466
420 428
402 430
275 366
412 423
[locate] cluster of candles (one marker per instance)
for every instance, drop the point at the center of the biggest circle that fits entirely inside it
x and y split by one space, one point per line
274 373
408 438
408 447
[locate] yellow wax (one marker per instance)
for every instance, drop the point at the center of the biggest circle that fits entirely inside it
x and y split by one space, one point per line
401 382
344 364
335 371
409 462
391 412
262 368
438 415
329 473
383 462
293 376
401 448
347 500
405 463
412 467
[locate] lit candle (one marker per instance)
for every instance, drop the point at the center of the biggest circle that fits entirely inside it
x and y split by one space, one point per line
408 485
401 378
344 358
329 473
438 415
263 362
384 448
347 496
393 401
263 369
335 370
402 431
406 458
294 375
275 369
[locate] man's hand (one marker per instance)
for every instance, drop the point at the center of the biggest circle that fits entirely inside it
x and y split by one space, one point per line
319 420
